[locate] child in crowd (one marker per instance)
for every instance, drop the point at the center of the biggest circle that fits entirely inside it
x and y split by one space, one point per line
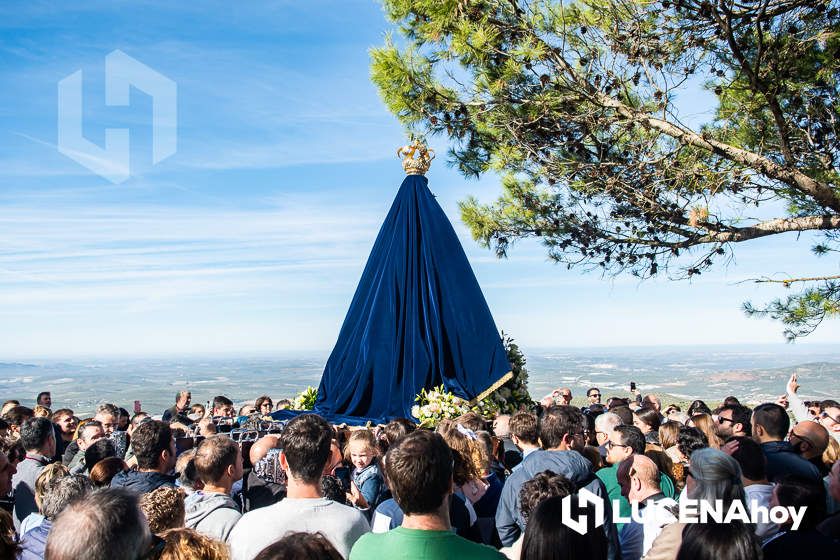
363 453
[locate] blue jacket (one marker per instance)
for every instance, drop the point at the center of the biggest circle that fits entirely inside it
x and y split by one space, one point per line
370 483
141 482
783 461
571 464
34 542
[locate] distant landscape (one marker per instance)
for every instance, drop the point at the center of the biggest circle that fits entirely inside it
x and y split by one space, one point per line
753 373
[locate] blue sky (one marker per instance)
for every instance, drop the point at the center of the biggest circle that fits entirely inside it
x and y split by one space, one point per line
251 238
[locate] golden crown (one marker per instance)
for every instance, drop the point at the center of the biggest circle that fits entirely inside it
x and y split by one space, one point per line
416 158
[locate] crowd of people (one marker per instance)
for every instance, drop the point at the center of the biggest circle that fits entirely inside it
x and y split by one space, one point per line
180 486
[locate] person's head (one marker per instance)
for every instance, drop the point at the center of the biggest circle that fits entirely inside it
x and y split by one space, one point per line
419 469
604 425
45 478
468 453
198 410
798 492
15 416
300 546
7 471
733 420
99 450
63 491
623 442
182 400
547 537
698 407
264 405
544 485
89 433
112 523
107 415
669 431
185 469
562 427
652 401
647 420
624 413
714 475
830 418
65 420
564 396
189 544
394 430
306 447
102 472
361 448
770 422
641 479
44 399
593 395
41 411
154 446
123 419
222 406
809 439
719 541
37 435
706 424
690 440
164 508
750 458
218 461
524 429
501 426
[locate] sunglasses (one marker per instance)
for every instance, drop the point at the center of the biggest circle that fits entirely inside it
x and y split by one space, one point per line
721 420
797 436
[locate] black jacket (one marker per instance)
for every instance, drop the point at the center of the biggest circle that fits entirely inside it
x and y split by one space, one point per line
141 482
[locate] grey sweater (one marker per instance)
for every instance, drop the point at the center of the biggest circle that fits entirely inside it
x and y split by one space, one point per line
211 514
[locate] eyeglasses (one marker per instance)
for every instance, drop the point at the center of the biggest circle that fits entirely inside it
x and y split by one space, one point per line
610 444
827 415
597 395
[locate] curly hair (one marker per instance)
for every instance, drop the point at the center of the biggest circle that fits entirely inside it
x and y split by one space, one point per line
468 453
543 486
189 544
164 508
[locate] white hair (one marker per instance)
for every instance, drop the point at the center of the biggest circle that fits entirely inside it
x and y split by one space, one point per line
607 422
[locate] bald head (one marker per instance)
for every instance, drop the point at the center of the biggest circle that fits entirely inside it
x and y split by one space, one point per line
262 446
646 471
810 438
652 401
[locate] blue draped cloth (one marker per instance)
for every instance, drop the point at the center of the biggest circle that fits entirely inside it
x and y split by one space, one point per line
418 319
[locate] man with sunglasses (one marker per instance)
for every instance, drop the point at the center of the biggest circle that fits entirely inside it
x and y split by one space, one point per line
733 421
623 443
809 440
